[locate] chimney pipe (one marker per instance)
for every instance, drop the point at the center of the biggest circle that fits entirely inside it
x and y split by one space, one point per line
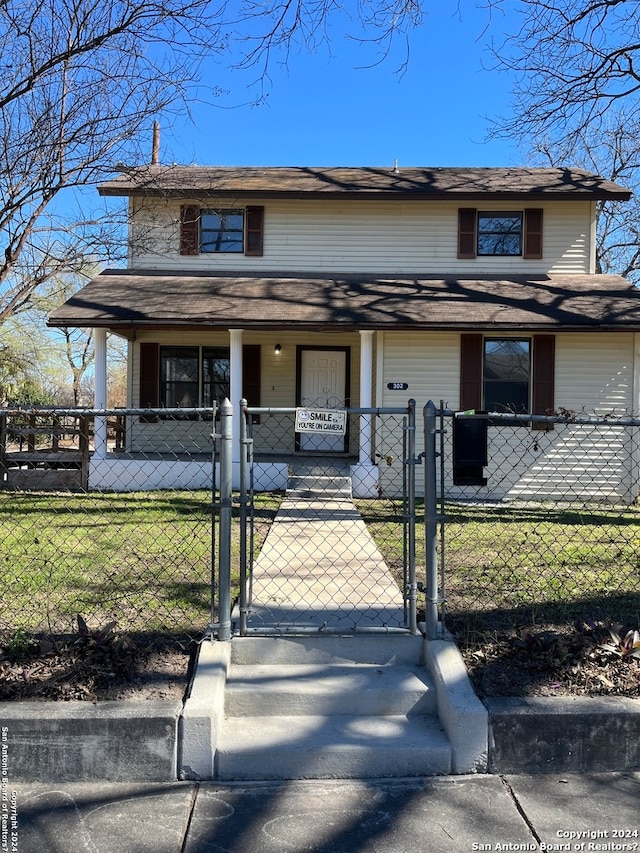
155 150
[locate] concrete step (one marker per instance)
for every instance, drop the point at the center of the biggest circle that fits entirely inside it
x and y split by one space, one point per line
330 689
375 649
329 485
331 747
311 737
329 707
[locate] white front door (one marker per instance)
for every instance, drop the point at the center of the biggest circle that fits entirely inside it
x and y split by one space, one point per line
323 378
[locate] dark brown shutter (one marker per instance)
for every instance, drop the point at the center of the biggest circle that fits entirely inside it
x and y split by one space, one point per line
471 372
467 232
254 231
251 373
544 349
189 229
149 379
533 233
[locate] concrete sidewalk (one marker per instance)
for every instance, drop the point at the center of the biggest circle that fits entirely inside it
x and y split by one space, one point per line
435 815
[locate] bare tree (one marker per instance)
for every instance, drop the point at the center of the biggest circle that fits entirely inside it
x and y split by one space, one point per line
81 80
574 62
612 150
79 354
275 27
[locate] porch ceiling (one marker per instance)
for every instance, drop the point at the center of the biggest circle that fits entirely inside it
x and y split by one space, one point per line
122 299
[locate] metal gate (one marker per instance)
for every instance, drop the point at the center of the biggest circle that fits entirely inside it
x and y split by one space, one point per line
340 554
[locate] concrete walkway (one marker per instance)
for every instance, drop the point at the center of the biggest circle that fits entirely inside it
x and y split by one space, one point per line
443 815
319 568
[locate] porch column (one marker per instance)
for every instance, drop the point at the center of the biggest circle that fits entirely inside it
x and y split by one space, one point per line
366 395
100 391
235 347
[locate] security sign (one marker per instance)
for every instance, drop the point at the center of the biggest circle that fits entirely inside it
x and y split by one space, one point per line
321 420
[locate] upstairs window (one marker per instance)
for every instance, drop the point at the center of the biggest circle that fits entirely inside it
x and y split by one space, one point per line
499 233
221 230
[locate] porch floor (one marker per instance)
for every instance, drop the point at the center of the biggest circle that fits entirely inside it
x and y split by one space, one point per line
319 569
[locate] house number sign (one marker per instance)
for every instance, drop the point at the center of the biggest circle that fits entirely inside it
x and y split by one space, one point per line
397 386
321 420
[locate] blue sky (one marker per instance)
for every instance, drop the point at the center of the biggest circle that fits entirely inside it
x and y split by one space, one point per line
324 110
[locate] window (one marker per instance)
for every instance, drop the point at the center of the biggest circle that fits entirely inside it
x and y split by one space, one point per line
179 376
222 230
216 376
499 233
503 233
506 375
193 376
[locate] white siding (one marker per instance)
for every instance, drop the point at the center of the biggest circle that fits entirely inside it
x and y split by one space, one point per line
595 372
363 236
428 362
594 375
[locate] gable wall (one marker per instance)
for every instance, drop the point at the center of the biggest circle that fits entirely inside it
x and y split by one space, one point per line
360 236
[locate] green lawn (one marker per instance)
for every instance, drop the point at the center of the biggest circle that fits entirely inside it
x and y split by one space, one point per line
143 559
536 563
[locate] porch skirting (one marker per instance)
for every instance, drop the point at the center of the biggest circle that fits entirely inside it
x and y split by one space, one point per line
117 473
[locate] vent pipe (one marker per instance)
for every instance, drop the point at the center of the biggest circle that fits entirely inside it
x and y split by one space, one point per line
155 148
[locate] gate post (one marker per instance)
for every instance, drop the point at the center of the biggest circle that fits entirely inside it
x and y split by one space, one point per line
430 521
244 505
412 585
224 563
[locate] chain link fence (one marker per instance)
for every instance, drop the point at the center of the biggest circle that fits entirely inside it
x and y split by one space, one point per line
538 521
112 515
123 535
545 529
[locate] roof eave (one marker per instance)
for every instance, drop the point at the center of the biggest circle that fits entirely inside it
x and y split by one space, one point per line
314 326
364 195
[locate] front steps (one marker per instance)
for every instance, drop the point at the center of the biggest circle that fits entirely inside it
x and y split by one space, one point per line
329 707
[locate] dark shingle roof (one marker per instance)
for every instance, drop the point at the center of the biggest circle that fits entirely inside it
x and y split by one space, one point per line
129 299
367 182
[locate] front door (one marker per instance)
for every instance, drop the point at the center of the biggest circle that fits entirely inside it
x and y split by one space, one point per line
322 385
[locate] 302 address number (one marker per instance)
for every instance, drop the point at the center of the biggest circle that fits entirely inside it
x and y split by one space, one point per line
397 386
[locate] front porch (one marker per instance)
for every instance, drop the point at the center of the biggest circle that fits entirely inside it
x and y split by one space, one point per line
128 450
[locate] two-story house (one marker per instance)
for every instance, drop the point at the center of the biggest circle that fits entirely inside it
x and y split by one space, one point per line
334 287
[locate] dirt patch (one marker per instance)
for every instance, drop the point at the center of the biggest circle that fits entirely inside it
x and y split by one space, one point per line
590 659
587 659
62 670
